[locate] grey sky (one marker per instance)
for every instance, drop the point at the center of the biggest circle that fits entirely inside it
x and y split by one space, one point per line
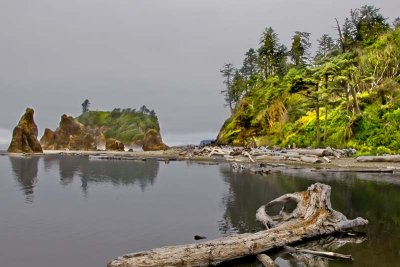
125 53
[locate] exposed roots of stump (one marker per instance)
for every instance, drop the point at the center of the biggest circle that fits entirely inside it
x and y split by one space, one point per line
312 217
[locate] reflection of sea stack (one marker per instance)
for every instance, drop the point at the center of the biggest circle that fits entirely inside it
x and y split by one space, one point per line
152 141
26 172
70 135
24 139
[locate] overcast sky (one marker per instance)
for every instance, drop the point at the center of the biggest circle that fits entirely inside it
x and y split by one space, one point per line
165 54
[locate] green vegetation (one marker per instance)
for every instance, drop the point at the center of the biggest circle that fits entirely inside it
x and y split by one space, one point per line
346 95
126 125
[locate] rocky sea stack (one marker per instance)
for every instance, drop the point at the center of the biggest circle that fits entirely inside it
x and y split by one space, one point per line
114 145
152 141
70 135
24 139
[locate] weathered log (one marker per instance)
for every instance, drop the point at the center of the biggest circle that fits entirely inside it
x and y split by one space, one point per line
320 152
327 254
326 159
310 159
293 159
393 158
365 170
266 261
246 154
312 217
322 244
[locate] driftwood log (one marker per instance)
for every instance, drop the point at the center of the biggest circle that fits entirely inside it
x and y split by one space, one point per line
391 158
312 217
319 253
266 261
321 245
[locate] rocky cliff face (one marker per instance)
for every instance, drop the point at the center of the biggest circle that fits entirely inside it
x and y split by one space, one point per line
24 139
114 145
70 135
152 141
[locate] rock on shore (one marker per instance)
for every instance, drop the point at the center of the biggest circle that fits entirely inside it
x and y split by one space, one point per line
152 141
70 135
24 139
114 145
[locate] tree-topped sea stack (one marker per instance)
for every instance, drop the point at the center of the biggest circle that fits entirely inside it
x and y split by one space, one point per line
24 139
126 125
152 141
70 135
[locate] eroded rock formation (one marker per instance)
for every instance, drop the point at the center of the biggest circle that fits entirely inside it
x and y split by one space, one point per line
24 139
70 135
152 141
114 145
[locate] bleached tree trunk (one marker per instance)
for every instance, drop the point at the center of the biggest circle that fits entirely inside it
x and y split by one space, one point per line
313 217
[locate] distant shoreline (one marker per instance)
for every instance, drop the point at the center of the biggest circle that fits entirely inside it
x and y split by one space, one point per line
345 164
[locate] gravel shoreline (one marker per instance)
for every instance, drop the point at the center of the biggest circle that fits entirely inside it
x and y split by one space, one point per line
182 154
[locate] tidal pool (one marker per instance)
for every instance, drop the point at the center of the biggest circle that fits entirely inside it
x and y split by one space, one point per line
70 211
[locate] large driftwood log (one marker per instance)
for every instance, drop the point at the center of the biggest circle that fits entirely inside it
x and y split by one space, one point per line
392 158
313 217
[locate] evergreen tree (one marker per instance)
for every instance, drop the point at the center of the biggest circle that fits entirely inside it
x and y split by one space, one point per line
271 54
299 52
326 46
250 67
366 24
396 23
228 71
85 106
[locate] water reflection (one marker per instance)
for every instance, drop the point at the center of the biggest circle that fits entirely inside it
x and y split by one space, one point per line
141 173
353 194
26 171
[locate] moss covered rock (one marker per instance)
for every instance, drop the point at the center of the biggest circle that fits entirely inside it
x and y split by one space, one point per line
152 141
126 125
24 139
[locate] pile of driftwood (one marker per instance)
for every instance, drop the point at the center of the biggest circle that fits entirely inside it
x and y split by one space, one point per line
260 153
313 217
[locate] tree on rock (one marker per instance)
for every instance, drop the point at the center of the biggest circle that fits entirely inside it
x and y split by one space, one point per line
85 106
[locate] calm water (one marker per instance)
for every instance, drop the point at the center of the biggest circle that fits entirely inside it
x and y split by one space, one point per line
69 211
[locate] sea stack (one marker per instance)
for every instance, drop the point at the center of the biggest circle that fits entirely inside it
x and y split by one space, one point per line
152 141
114 145
24 139
70 135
